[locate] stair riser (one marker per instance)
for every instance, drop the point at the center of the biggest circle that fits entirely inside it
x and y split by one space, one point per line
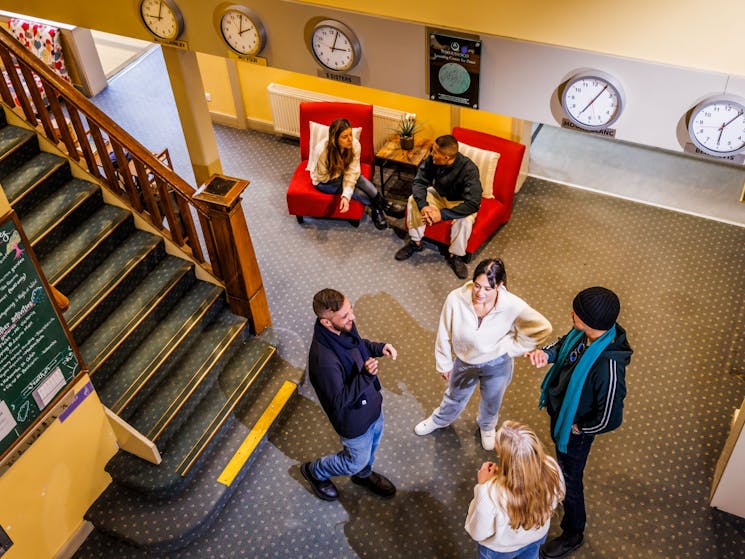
39 191
73 275
172 359
18 156
105 305
133 338
53 235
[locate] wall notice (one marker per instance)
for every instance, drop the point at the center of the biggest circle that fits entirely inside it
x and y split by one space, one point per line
454 69
37 360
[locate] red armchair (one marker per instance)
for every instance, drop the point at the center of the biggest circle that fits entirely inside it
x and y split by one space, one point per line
494 212
303 199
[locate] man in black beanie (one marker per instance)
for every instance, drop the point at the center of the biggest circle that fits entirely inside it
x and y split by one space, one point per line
583 393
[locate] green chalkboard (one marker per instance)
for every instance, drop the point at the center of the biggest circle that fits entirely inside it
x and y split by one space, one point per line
37 359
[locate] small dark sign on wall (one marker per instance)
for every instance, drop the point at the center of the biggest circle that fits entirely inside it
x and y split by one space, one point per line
5 541
454 68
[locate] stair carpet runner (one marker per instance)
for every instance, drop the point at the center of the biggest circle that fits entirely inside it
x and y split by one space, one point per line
163 350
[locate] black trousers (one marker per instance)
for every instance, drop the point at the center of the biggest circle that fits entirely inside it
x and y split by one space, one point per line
572 464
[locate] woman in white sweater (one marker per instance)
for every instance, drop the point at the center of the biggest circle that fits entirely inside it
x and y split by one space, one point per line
482 327
335 169
512 504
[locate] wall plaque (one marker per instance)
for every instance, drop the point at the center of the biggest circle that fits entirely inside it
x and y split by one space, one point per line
454 68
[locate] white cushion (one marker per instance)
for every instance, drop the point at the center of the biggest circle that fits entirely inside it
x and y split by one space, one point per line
320 132
486 161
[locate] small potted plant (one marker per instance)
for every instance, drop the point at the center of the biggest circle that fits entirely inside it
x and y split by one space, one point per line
406 130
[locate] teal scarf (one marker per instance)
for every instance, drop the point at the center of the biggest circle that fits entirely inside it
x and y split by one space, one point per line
569 405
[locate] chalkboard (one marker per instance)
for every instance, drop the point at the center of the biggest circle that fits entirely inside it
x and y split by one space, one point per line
38 361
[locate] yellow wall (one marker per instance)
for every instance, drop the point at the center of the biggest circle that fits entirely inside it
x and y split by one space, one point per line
47 491
216 82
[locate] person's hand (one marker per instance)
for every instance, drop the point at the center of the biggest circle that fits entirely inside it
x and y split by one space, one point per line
371 365
431 215
575 429
344 205
538 358
446 376
390 351
487 471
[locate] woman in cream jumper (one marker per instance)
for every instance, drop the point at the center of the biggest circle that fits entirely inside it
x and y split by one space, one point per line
485 326
512 504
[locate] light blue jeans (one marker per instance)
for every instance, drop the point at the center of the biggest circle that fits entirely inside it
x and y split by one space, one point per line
530 551
364 190
356 458
493 377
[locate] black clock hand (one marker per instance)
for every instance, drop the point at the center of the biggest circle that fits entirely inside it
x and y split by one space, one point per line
333 45
726 124
594 99
160 9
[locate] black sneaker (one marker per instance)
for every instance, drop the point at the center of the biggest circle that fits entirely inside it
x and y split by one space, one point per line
324 489
458 266
408 249
561 546
378 484
378 218
394 210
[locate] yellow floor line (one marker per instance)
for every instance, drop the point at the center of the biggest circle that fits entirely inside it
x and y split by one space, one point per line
257 433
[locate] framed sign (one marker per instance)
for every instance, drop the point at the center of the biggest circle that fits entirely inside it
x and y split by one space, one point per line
38 359
454 68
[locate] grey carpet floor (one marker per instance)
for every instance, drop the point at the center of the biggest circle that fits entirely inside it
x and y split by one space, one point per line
679 278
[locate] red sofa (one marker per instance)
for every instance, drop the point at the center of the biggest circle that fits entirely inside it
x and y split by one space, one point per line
303 199
494 212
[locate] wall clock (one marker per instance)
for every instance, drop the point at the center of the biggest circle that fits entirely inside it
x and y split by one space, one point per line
334 46
592 99
717 125
242 30
162 18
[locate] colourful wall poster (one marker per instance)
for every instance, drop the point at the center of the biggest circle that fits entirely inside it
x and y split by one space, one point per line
37 360
454 69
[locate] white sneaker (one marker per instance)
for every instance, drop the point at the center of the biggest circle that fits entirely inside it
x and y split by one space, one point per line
488 439
427 426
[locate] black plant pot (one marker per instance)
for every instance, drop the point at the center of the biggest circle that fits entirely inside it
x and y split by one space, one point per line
407 142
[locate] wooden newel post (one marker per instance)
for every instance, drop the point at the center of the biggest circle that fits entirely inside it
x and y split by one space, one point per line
231 251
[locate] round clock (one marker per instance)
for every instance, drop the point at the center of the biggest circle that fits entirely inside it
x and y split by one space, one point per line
717 125
592 99
162 18
334 45
242 30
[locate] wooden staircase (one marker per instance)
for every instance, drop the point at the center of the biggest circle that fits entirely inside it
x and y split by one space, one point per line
163 349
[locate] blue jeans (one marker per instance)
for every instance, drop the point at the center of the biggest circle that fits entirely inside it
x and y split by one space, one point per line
530 551
493 376
364 190
356 458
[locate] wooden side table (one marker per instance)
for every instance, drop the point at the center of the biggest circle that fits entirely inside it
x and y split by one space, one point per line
391 155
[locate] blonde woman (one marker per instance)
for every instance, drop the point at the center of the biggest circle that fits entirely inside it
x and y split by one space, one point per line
515 498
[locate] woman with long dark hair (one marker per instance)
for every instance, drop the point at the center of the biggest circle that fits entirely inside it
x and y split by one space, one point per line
482 327
335 168
515 498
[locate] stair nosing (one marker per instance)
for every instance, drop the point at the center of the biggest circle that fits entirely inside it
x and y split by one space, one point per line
30 187
49 229
194 382
156 363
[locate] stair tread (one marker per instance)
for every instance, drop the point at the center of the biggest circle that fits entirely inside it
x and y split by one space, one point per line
12 136
132 309
133 472
46 214
17 182
82 239
188 314
110 272
201 366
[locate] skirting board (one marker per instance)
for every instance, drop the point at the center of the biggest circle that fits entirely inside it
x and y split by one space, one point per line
76 540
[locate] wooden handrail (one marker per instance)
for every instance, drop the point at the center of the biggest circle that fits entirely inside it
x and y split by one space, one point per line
140 178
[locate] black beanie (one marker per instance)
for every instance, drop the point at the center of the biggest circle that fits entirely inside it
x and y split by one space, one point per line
597 307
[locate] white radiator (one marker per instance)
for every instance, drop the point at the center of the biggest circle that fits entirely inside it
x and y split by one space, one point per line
285 104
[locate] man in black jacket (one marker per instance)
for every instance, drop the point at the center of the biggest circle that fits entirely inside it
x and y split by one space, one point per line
446 187
583 393
343 370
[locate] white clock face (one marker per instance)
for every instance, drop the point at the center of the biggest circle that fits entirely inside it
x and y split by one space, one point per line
242 34
592 102
162 18
334 48
717 127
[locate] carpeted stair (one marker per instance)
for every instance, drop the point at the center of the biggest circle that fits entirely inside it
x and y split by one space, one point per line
163 349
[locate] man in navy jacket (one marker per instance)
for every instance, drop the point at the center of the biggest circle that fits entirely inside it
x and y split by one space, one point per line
583 393
343 370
